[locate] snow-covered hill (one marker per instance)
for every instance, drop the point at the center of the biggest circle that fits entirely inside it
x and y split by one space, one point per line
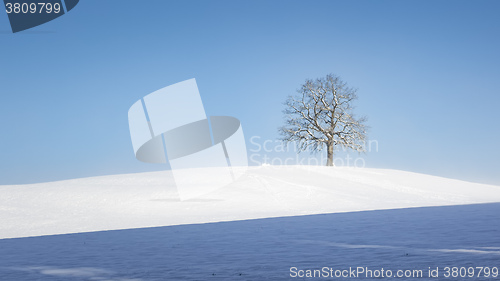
150 199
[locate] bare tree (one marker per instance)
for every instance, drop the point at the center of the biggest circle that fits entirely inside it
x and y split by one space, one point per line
321 115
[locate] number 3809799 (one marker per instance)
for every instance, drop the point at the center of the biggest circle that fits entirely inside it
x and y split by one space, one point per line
32 8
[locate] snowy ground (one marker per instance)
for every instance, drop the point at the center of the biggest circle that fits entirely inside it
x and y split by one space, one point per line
265 249
149 199
311 220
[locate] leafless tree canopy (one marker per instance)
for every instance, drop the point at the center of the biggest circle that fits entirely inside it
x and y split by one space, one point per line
321 115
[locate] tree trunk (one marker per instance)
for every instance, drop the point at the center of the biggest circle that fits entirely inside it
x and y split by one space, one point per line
329 161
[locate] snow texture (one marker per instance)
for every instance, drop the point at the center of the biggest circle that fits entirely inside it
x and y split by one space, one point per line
150 199
266 249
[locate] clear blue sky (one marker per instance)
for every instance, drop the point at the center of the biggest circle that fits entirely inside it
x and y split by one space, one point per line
427 74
